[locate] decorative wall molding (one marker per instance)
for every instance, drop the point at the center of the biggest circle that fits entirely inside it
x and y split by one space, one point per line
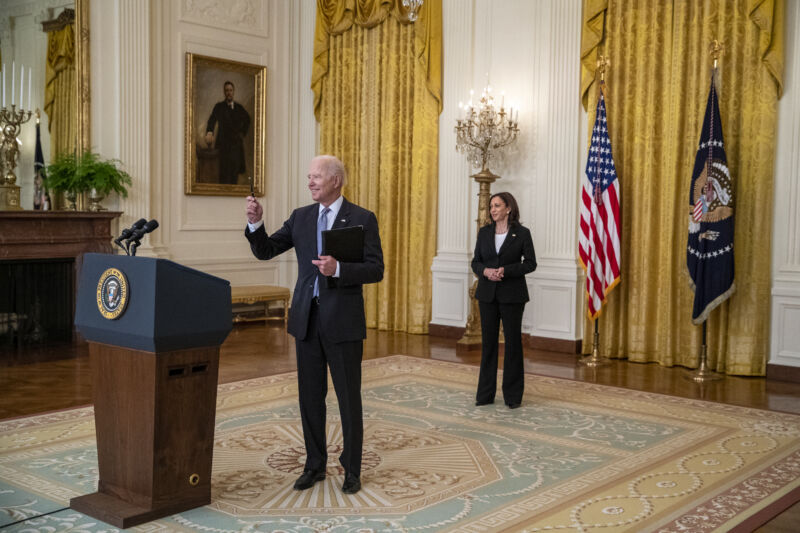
561 173
452 278
553 311
785 333
454 219
248 16
135 112
450 270
42 10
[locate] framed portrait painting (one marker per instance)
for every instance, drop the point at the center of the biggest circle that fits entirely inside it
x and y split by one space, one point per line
225 111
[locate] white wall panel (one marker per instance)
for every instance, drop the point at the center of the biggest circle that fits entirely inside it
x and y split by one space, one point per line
529 51
785 334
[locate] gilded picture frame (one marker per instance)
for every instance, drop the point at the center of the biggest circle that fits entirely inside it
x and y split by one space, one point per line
225 121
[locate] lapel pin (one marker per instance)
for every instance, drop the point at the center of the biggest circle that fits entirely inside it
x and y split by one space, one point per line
343 220
513 234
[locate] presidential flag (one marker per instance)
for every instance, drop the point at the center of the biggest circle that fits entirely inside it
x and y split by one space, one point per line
601 226
40 197
709 252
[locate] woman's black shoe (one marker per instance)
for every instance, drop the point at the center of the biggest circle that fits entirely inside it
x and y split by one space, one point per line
513 405
485 402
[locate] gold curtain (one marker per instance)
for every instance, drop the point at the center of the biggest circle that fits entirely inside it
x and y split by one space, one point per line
377 92
656 100
60 93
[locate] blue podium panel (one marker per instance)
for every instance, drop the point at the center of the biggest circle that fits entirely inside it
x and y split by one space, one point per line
150 304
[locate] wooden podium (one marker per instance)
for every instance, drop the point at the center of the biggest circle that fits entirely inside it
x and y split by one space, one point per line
154 329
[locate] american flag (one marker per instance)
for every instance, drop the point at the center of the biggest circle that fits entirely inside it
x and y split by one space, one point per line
600 218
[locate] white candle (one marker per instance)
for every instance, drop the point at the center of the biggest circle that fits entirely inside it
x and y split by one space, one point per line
29 88
21 85
13 68
4 84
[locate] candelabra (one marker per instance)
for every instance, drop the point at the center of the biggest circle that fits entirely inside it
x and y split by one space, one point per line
482 135
11 121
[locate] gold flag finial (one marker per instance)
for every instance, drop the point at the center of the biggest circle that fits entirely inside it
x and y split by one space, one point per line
602 64
716 49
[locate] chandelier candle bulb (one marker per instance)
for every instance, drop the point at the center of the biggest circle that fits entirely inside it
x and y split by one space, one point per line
21 84
29 87
13 80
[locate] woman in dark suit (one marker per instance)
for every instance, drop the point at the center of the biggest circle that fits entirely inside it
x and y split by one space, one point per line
503 255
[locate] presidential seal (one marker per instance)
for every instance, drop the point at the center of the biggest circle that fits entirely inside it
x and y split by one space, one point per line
112 293
712 193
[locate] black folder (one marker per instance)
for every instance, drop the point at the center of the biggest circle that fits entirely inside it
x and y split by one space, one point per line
344 244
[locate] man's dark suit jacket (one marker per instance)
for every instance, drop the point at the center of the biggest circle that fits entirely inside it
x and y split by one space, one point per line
341 302
233 126
517 258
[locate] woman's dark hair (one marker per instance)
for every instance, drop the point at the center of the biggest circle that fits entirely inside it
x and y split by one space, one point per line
508 199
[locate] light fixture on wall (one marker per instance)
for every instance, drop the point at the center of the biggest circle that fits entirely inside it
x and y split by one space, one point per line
483 133
412 6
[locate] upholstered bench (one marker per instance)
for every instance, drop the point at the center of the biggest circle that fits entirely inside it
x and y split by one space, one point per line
253 294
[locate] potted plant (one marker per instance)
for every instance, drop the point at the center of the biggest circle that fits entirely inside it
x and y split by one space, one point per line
87 173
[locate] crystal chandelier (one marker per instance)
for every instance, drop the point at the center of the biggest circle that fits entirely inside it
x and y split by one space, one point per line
485 131
412 6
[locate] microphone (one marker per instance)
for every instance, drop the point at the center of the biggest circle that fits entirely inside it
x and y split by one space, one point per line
127 232
137 234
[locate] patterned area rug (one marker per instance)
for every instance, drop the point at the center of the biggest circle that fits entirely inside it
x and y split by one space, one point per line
574 457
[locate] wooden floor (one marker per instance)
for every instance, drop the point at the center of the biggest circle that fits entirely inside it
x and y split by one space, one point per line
56 377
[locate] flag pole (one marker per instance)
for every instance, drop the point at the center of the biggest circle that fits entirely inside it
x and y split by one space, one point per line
595 360
703 372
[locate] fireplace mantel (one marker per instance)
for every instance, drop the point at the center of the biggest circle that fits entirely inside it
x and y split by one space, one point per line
54 234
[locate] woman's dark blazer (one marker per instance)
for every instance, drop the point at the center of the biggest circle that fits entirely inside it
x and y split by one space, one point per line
516 257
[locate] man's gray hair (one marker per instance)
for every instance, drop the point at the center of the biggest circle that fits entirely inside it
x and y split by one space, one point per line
333 167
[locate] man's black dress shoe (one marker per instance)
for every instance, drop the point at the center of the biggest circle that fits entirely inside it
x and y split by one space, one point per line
309 477
484 402
352 484
513 405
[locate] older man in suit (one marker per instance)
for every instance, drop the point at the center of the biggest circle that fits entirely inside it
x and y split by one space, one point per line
327 313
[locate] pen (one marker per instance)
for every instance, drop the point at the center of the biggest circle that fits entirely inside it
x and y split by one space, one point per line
252 191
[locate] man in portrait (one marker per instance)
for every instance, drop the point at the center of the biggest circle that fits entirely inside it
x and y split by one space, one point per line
231 121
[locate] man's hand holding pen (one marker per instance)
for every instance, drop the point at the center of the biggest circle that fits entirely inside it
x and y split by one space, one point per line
254 210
